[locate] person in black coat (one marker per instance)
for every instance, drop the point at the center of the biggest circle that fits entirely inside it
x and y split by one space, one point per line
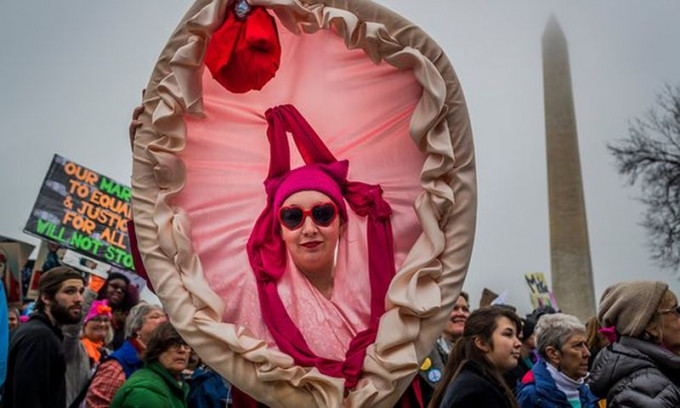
432 369
36 365
473 375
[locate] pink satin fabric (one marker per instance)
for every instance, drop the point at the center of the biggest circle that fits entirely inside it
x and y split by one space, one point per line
361 118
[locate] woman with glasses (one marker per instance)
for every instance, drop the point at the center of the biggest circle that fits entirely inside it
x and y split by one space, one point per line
97 332
320 297
121 296
122 363
296 311
160 382
642 368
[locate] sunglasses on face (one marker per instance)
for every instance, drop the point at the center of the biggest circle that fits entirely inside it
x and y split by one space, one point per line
323 214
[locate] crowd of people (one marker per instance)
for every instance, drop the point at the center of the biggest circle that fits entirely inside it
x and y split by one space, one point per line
90 342
626 356
66 354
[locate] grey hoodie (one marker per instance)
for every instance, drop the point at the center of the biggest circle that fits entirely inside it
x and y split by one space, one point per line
636 373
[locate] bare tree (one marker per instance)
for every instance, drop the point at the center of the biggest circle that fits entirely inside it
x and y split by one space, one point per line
651 155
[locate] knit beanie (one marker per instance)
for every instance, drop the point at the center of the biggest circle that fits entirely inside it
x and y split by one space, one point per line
99 308
56 276
630 306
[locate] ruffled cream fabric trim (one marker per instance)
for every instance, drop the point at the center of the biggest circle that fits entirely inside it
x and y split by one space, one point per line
420 296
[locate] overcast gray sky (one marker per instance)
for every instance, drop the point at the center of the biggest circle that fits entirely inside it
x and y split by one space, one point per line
71 72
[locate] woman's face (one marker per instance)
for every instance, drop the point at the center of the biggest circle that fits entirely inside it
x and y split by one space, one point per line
572 357
115 291
530 342
13 320
503 352
669 324
311 246
97 328
175 358
456 324
151 321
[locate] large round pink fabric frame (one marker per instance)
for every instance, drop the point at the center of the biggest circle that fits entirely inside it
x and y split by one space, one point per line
381 94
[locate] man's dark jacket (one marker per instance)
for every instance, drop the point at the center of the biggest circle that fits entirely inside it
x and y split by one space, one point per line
35 366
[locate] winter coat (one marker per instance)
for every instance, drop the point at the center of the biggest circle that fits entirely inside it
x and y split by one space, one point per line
4 333
207 389
636 373
128 358
112 373
152 386
35 366
538 390
472 389
514 377
432 370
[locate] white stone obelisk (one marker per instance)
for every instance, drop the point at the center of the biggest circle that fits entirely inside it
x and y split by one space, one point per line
572 277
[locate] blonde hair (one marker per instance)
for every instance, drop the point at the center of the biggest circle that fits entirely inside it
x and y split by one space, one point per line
657 323
594 339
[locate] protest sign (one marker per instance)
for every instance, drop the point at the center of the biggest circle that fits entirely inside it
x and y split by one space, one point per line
540 291
50 255
86 264
487 297
84 211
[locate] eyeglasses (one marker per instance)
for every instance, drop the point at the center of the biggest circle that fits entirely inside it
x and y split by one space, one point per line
179 346
117 287
292 217
675 309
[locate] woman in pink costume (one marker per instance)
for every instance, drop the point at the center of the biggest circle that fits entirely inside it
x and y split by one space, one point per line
340 308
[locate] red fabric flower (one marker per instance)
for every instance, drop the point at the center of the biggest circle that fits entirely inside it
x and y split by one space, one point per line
244 54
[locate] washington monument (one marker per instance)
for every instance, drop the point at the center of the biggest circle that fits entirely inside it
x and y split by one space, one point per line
572 275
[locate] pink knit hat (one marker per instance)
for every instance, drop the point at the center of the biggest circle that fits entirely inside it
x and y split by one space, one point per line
99 308
325 178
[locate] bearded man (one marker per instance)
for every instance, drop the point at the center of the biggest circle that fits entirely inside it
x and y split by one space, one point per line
36 365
